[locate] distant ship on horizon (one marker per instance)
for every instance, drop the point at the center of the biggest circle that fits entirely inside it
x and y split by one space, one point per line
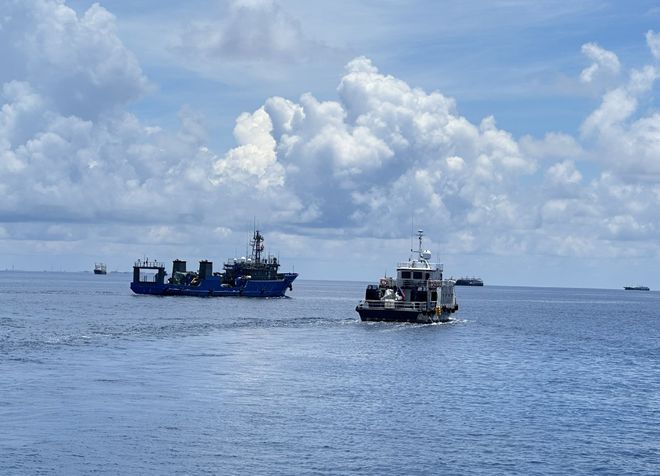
636 288
100 268
465 281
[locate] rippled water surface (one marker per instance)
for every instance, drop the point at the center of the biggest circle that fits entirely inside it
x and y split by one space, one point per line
94 379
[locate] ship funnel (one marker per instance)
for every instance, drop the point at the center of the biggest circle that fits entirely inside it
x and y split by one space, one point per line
205 269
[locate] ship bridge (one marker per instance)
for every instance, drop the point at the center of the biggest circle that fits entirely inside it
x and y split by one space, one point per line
418 269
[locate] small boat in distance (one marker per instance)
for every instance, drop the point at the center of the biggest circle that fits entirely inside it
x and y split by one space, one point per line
465 281
636 288
418 294
100 268
251 277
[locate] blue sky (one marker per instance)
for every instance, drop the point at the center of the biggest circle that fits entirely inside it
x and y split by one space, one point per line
523 136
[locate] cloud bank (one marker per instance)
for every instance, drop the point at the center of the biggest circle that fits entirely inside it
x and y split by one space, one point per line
75 164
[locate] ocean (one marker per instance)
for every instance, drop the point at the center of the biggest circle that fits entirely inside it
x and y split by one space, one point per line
547 381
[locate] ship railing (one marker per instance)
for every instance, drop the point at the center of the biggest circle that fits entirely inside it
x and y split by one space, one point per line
419 265
399 305
145 263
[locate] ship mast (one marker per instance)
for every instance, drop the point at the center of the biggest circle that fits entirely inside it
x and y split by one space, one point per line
420 234
257 244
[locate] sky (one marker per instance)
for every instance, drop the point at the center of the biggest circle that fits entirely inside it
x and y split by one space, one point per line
522 136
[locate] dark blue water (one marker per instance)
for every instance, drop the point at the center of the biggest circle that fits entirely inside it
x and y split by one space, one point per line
94 379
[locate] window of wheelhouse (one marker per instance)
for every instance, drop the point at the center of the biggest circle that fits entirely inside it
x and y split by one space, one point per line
417 275
405 274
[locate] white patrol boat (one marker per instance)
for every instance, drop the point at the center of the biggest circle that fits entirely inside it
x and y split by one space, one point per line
418 294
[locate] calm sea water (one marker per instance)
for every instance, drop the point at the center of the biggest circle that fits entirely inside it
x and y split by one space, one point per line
94 379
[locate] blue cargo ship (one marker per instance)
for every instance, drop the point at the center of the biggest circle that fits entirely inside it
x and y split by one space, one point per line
253 276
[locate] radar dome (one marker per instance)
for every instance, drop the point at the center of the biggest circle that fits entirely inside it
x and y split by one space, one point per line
426 254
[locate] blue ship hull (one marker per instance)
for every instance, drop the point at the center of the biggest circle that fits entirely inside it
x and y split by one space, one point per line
213 287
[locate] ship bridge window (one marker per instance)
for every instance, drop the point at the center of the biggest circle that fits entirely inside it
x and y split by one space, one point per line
405 274
417 275
428 275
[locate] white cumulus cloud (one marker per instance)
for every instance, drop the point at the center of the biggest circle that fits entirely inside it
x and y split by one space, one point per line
77 63
604 63
249 30
385 150
653 42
